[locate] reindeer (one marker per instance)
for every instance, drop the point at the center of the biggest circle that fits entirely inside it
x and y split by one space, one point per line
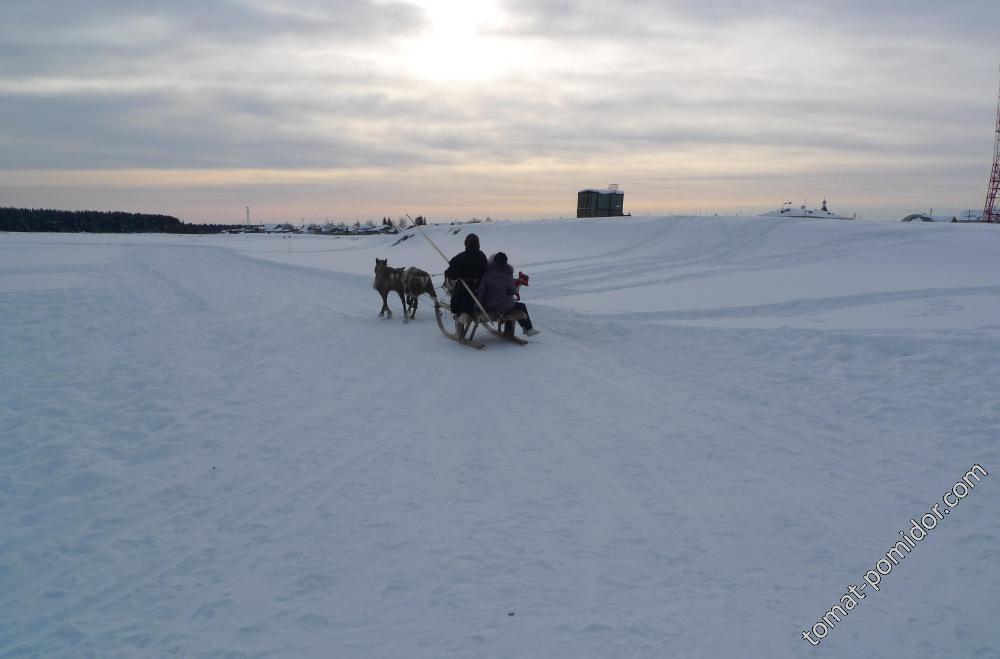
408 283
416 282
386 281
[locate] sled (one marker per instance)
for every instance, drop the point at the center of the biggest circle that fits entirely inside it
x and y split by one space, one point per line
466 325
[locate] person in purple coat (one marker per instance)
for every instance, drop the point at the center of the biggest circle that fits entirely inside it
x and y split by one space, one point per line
496 291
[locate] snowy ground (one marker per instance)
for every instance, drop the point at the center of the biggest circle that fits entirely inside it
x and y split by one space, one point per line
212 446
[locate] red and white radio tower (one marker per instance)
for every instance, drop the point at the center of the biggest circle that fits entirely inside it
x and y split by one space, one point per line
991 212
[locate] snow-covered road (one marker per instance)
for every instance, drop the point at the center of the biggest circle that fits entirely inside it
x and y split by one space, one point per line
211 446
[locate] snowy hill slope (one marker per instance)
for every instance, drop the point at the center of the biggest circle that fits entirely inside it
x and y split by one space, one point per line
724 424
743 270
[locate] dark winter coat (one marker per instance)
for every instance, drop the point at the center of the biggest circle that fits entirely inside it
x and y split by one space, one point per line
468 266
496 288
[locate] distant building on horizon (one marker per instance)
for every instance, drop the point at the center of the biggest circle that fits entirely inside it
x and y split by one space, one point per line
609 202
924 217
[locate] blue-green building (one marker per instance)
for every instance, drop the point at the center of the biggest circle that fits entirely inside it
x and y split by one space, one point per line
600 203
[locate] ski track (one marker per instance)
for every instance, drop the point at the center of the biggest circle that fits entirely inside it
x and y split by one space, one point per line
210 454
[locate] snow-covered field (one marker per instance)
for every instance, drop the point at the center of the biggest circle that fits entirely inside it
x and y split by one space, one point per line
211 446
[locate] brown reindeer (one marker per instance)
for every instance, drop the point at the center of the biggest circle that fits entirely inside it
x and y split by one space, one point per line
386 281
416 282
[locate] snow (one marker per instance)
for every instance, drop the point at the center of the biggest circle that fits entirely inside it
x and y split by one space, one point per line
211 445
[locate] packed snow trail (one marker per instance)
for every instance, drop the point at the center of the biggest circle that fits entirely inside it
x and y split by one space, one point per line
207 454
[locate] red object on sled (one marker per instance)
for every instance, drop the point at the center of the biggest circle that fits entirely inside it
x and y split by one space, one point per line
522 280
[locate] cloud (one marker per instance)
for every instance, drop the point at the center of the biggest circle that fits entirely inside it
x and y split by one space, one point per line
630 20
102 36
585 86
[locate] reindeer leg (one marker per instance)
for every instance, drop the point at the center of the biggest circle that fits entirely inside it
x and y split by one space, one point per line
430 291
385 305
408 296
402 300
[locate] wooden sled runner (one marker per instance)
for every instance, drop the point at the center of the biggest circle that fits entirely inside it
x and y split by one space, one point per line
466 325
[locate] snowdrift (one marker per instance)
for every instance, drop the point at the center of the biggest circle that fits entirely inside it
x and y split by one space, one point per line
211 446
734 272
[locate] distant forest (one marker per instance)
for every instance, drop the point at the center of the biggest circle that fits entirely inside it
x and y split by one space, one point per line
39 219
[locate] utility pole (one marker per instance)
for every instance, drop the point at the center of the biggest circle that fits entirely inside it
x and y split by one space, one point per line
991 212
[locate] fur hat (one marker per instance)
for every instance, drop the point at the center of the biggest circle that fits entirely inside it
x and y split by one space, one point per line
500 258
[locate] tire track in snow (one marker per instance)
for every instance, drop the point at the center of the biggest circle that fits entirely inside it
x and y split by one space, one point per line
661 484
159 278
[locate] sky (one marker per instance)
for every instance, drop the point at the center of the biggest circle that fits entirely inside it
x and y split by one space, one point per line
359 109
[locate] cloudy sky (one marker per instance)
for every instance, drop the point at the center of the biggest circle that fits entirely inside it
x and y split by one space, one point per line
456 108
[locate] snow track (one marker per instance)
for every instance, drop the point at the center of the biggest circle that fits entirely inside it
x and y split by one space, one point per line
207 454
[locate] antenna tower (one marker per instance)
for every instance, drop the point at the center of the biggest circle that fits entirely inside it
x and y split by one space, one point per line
991 212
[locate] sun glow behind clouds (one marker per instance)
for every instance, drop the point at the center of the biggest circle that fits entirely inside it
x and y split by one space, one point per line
461 43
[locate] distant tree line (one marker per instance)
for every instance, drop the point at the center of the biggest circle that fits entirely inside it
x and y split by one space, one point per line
41 219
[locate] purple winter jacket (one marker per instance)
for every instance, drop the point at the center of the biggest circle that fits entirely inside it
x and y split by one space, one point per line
496 288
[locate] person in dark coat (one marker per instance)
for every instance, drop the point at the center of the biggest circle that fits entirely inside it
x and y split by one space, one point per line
468 266
496 291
